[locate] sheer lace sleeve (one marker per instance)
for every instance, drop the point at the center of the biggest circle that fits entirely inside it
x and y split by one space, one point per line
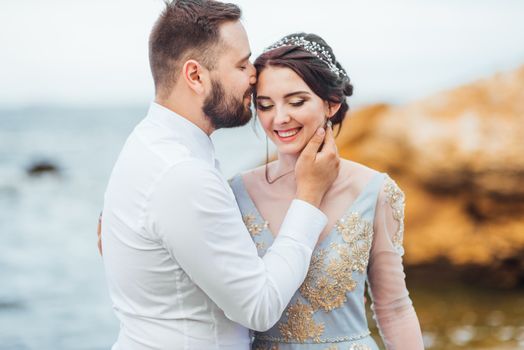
392 308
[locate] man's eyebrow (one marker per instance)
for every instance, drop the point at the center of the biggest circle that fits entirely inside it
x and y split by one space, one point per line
245 58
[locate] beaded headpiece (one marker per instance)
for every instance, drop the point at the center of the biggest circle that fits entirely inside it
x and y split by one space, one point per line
312 47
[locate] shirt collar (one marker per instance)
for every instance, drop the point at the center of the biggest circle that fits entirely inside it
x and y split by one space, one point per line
183 131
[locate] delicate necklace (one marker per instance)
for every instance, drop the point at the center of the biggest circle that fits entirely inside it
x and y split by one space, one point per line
269 181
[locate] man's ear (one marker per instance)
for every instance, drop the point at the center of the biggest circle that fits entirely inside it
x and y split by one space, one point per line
194 75
331 108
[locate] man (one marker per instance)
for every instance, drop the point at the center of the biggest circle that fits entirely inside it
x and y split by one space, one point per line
182 270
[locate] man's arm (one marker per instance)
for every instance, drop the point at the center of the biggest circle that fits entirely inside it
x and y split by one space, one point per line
217 252
195 213
196 216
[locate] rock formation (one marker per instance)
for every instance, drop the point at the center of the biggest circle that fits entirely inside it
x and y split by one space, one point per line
459 157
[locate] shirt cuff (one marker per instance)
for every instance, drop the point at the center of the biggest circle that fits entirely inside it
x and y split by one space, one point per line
303 223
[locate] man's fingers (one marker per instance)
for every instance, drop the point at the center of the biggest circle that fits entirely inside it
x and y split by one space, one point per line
329 141
314 144
99 233
100 247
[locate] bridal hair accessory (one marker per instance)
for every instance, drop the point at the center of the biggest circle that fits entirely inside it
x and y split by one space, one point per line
312 47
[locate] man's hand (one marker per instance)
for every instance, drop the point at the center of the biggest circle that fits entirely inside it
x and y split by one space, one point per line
317 170
99 233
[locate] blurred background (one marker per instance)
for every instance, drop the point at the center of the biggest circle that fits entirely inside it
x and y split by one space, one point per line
438 104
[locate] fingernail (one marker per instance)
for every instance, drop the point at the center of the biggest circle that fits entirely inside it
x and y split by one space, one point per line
321 131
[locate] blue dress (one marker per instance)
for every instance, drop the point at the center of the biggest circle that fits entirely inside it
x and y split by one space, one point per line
328 311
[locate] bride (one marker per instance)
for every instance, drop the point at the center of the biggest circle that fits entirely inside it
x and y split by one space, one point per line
300 87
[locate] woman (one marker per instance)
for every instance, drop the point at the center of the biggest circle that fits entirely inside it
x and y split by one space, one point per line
300 87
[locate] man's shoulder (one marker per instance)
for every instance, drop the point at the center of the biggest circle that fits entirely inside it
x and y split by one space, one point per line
192 173
155 146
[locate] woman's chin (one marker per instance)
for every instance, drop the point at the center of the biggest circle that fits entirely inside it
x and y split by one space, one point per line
292 149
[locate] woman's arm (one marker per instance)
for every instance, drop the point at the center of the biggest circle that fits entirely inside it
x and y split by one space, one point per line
393 310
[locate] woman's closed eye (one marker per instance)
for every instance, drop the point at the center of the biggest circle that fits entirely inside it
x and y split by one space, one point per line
264 106
297 103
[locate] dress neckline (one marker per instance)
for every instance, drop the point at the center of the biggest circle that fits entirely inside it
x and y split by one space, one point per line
346 212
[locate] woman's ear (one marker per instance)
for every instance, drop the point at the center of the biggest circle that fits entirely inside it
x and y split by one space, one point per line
194 75
331 108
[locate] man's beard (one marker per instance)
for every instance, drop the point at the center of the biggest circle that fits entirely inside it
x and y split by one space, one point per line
225 111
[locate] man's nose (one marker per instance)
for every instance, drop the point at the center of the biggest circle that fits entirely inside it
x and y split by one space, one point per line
252 74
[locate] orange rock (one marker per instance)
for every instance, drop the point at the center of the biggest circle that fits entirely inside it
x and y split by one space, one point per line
459 156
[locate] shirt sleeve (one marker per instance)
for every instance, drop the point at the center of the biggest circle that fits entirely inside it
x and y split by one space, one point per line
392 308
194 212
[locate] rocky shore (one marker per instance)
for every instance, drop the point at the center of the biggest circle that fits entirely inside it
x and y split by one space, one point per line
459 157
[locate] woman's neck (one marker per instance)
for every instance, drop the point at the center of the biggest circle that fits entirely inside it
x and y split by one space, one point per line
285 163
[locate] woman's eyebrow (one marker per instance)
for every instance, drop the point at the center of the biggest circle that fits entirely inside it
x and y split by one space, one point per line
285 96
295 93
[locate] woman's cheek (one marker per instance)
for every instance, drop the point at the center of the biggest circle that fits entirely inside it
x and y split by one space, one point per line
266 123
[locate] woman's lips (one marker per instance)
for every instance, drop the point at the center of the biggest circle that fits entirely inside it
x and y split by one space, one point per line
287 135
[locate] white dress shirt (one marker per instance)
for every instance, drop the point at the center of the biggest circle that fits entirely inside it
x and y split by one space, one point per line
182 269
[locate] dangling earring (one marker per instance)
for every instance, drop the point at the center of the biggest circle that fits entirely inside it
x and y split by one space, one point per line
329 123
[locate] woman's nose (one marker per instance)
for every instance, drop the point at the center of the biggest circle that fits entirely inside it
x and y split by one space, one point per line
281 116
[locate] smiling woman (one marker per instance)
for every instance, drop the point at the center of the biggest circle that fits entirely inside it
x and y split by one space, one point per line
300 86
63 62
311 90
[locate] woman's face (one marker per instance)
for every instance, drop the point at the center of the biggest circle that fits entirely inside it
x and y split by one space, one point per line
288 109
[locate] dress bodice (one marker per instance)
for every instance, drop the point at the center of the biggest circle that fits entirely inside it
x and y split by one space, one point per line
328 310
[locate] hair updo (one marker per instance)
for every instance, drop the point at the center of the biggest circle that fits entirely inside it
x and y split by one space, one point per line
315 73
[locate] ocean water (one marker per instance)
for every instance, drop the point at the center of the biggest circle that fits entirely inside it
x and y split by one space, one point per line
53 293
52 286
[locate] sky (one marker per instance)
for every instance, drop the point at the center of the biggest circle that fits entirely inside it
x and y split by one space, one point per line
94 53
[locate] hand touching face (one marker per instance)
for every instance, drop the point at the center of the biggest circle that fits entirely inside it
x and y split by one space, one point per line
289 111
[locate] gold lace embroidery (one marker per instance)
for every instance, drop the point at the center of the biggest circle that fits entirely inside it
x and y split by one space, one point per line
359 347
395 198
329 279
358 234
253 227
352 347
300 324
326 287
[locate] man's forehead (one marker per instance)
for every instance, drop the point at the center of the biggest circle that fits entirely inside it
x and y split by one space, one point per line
233 35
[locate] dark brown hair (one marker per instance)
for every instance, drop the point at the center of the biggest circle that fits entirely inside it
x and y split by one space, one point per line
315 73
187 29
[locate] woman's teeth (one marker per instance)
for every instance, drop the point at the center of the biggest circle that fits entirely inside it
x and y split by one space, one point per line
287 133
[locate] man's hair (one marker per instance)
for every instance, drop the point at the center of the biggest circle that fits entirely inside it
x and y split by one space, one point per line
187 29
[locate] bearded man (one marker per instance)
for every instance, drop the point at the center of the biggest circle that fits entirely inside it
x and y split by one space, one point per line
182 269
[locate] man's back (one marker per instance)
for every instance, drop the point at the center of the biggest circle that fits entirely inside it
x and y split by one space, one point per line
157 303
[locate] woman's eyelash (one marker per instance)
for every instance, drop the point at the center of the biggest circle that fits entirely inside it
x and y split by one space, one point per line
298 103
264 108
